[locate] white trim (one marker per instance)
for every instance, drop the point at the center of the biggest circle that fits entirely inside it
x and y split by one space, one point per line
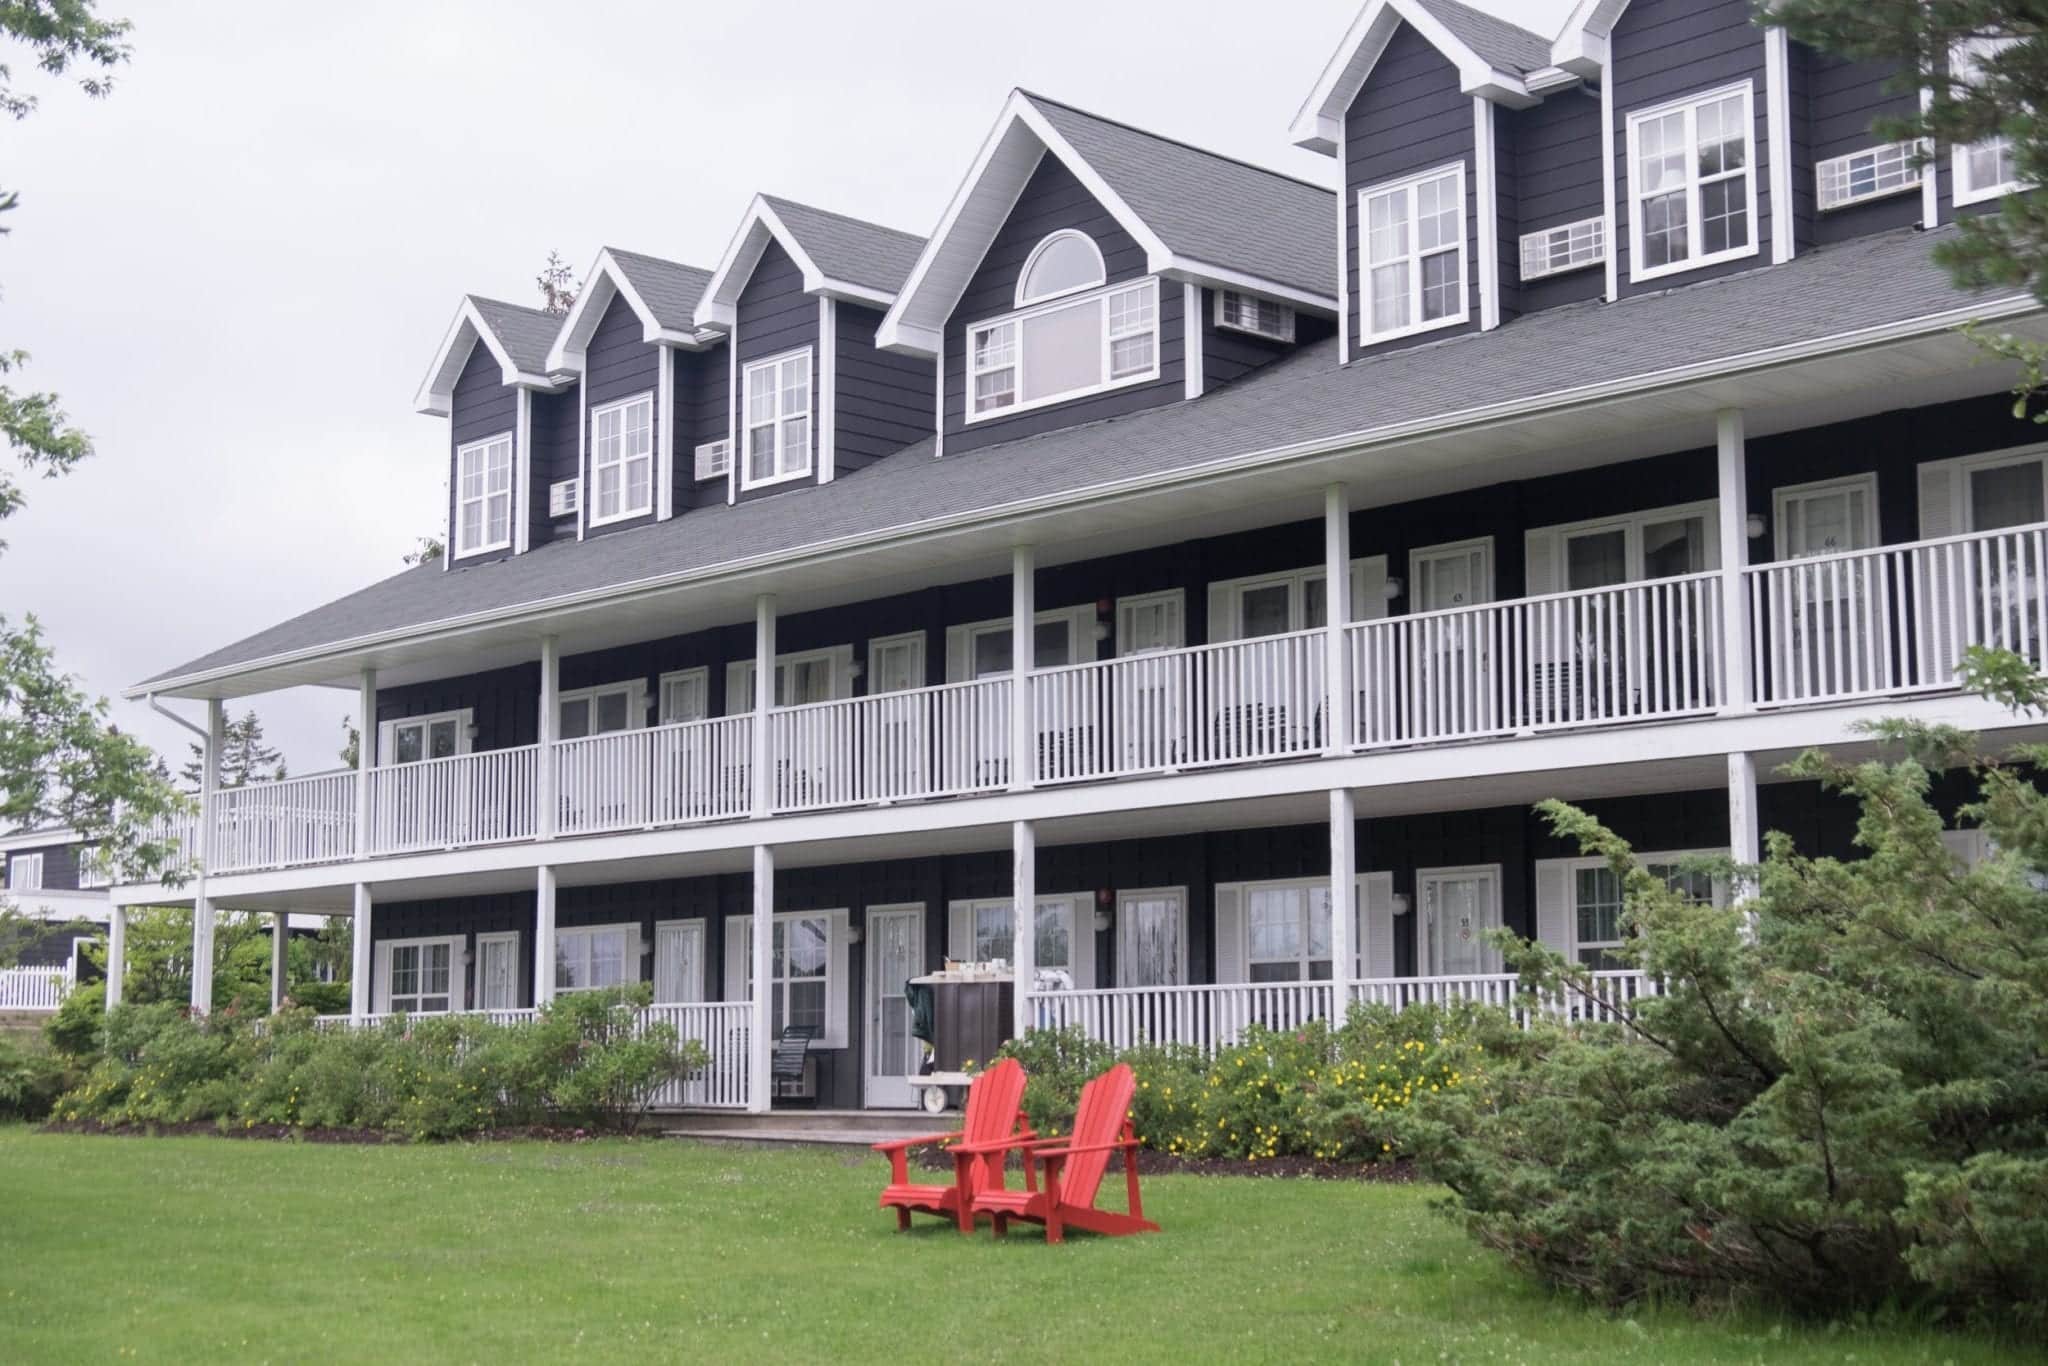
1016 320
1131 603
1080 909
1778 129
435 396
476 992
1318 124
1284 313
1192 364
1930 177
1412 257
1489 956
482 449
1570 867
387 744
877 644
25 873
582 459
898 1087
1445 550
741 458
457 976
1783 495
1631 524
1021 300
665 436
1308 886
825 402
605 281
664 713
739 682
960 637
1486 197
1689 106
1609 187
635 690
627 511
702 989
1343 257
1958 469
1124 897
732 415
1965 53
718 307
629 958
739 936
939 402
522 474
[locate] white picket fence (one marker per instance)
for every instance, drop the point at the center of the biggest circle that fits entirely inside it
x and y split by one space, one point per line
35 988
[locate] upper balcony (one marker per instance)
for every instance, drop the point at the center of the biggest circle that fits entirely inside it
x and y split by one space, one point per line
1887 622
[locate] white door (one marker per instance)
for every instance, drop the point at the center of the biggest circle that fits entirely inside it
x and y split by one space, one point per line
678 962
902 751
1151 938
497 971
1830 631
895 938
1452 666
1459 905
1147 692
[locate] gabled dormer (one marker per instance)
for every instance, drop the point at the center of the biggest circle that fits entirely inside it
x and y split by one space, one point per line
1087 269
633 337
490 378
799 293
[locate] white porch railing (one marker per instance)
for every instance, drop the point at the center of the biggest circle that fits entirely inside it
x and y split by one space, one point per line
1503 990
34 988
1633 652
481 798
893 746
1204 1017
1896 618
282 824
643 779
1237 702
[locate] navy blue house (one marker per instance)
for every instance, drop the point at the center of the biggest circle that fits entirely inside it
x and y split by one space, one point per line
1218 562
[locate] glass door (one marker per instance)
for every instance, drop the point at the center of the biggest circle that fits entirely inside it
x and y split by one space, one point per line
2000 496
1459 905
1148 697
678 962
903 725
1451 660
1151 938
497 971
895 936
1827 634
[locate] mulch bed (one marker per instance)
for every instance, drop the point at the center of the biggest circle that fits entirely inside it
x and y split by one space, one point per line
1297 1168
288 1133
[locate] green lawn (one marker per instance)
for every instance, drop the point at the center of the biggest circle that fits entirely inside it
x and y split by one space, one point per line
209 1250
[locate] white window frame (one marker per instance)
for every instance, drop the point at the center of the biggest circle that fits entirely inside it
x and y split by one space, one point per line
1490 961
740 966
1694 259
1783 497
1127 608
1080 910
1585 245
1631 524
1963 191
510 937
629 957
92 871
960 640
1965 491
457 977
1045 242
1283 329
1307 886
635 690
701 987
1574 866
778 419
1297 582
623 459
1413 256
387 733
701 675
1896 159
712 460
739 675
482 451
877 645
25 873
1124 897
1102 295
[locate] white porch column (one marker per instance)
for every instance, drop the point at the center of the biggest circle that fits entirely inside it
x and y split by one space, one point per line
1337 601
366 756
550 719
1024 918
117 954
762 1055
280 956
1343 899
361 961
544 887
202 905
764 702
1733 464
1023 659
1745 835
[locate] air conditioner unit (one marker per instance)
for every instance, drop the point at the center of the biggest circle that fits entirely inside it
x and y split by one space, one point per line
564 496
714 458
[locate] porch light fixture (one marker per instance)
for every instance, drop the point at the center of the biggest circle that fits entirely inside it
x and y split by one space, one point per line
853 934
1103 920
473 730
646 947
1102 630
855 670
1756 526
1394 587
1402 905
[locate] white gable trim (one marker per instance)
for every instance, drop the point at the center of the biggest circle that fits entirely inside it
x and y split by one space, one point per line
1581 46
1319 125
437 391
605 282
760 226
1008 158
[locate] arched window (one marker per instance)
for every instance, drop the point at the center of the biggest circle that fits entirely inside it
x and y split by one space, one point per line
1064 262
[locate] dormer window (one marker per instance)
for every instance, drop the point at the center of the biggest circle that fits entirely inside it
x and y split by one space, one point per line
1075 346
622 460
1414 253
778 419
483 495
1066 262
1691 171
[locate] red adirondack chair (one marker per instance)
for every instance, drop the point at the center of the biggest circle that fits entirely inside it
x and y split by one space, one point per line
993 1116
1073 1168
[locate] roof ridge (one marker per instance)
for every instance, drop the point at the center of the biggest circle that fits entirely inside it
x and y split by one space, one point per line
507 303
1177 142
1473 9
842 217
658 260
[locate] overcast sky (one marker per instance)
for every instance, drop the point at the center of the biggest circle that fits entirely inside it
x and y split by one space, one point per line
236 269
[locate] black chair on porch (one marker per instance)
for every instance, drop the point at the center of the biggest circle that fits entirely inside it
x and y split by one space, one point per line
792 1046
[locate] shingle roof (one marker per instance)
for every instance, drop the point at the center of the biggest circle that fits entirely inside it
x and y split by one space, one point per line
1305 398
1208 207
850 249
670 288
525 333
1505 46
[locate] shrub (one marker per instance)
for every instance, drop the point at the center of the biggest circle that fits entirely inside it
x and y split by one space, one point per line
322 998
30 1080
74 1031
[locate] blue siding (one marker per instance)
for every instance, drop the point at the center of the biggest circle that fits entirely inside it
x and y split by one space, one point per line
1051 200
555 417
885 401
1409 117
1843 100
1666 49
775 315
1229 355
618 364
60 866
1556 166
483 406
1507 211
701 379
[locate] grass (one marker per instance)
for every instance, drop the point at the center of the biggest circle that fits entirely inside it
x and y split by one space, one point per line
200 1249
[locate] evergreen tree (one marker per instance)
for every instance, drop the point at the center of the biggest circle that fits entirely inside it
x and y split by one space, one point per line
244 757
